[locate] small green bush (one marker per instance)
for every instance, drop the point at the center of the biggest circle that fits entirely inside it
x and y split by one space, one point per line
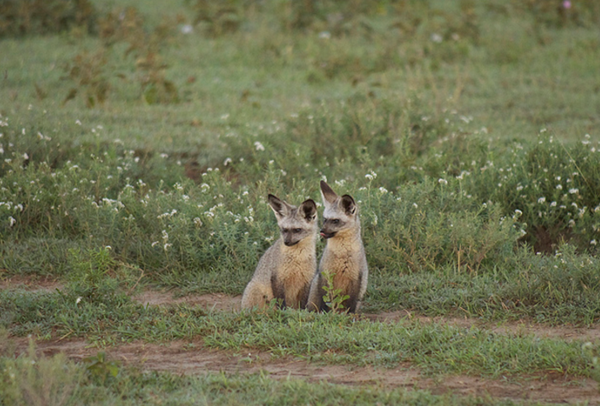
31 17
39 381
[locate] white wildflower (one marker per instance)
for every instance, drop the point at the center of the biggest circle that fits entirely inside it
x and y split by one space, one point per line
442 181
227 161
573 191
259 146
371 175
437 38
593 242
383 190
12 221
541 200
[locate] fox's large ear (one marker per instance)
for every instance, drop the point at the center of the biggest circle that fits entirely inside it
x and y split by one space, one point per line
328 194
348 204
308 208
280 208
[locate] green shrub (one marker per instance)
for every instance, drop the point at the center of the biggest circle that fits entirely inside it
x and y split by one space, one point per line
551 188
29 17
39 381
560 13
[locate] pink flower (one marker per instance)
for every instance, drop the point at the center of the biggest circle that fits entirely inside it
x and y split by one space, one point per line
566 4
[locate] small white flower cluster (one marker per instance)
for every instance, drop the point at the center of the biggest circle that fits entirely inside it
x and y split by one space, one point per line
371 175
167 214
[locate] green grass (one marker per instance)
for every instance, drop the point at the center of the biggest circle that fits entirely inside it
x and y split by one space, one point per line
55 380
467 132
436 348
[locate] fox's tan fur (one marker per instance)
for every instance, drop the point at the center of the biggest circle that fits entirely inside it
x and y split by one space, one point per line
285 272
344 255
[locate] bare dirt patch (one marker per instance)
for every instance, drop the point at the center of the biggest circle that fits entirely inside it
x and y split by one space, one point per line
30 283
521 328
193 358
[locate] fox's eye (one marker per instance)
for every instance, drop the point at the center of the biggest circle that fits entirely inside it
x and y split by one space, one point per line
335 221
297 230
284 230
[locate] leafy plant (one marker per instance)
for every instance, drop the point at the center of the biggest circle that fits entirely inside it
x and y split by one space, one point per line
560 13
36 380
88 72
100 369
220 18
27 17
333 297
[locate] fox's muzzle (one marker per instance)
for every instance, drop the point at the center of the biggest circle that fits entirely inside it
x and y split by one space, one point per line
326 235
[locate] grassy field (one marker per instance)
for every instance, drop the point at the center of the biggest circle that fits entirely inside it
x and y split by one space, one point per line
138 144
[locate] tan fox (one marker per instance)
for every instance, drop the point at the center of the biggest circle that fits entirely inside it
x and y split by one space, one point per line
288 266
344 254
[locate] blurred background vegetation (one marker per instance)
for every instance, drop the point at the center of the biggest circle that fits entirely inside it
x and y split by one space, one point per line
467 130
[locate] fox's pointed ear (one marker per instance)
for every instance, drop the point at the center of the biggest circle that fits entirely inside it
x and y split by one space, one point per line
308 208
348 204
327 192
280 208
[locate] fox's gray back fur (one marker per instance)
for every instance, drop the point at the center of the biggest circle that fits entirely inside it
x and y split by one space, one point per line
344 255
288 266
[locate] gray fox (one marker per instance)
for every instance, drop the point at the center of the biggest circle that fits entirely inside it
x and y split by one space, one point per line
344 254
286 269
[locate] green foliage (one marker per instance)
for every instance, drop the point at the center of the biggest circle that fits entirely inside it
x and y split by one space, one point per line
95 277
31 17
219 18
136 387
39 381
558 289
88 74
100 369
333 297
331 337
550 188
561 13
591 351
88 70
